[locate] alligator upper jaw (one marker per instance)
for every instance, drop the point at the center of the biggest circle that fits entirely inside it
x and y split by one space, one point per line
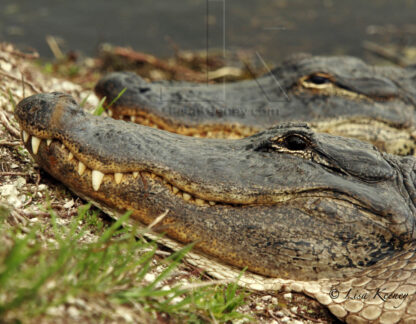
50 152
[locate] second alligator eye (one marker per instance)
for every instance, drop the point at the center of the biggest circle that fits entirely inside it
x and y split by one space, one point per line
318 79
295 143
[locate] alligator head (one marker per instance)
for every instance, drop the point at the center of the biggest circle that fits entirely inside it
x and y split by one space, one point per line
285 202
339 95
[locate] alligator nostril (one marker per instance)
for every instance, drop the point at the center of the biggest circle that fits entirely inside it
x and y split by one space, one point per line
144 90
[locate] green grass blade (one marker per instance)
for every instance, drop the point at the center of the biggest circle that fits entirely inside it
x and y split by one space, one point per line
99 109
84 101
116 98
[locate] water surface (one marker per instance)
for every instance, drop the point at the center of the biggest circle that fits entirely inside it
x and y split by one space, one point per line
274 28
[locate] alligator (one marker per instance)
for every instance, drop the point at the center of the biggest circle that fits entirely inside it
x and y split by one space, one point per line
311 212
338 95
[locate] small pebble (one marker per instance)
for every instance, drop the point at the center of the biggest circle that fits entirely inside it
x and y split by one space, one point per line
149 277
259 307
69 204
287 296
73 311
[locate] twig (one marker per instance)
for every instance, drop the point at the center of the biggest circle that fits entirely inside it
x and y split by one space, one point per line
13 131
9 143
11 50
226 71
174 46
158 219
32 214
31 85
213 320
154 61
11 173
35 192
270 312
386 53
306 317
30 56
23 84
207 284
18 217
53 45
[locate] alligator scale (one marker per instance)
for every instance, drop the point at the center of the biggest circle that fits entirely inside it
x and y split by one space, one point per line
312 212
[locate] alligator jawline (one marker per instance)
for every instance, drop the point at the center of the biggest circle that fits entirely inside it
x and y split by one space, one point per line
231 131
97 176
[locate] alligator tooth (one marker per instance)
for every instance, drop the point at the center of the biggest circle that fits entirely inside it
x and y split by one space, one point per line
110 113
175 190
118 177
97 178
81 168
212 203
200 202
48 142
25 136
62 146
186 196
135 175
70 156
35 144
133 118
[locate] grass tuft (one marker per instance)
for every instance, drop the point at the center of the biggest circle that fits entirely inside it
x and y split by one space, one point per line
38 276
11 99
100 108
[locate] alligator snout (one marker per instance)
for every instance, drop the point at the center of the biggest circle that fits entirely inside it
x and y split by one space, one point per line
41 114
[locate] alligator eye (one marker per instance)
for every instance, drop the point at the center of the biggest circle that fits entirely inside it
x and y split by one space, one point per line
295 143
318 79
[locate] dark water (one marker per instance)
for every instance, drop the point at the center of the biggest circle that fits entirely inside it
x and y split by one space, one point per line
274 28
